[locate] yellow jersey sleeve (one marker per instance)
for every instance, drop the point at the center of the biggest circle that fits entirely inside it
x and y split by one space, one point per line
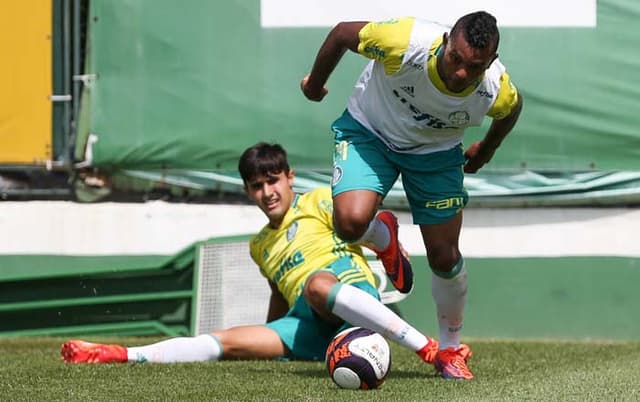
386 42
506 100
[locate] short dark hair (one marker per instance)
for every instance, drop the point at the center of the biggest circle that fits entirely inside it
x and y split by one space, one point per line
262 159
480 29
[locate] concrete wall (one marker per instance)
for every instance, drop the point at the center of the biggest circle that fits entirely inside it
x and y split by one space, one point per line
58 227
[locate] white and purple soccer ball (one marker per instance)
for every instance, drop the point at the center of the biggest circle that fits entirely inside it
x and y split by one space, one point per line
358 358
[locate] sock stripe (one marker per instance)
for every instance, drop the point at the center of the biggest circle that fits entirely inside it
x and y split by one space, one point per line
215 338
455 271
331 298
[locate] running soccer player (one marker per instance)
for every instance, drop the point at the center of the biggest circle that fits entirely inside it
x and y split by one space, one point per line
320 284
407 114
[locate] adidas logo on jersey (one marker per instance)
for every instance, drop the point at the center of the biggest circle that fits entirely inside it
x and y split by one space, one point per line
408 89
484 93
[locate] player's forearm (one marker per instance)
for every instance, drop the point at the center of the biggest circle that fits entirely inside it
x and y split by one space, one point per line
278 306
500 128
342 37
276 311
274 314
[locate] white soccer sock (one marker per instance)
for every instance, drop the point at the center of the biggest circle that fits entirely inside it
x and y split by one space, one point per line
450 296
359 308
377 236
178 350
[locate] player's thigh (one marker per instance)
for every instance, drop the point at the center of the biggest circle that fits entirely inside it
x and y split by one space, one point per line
359 160
441 234
434 185
303 332
441 242
253 341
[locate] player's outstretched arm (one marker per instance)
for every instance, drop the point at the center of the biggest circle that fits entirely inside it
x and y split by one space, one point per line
342 37
480 153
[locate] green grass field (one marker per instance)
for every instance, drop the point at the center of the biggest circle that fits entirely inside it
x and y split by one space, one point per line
31 370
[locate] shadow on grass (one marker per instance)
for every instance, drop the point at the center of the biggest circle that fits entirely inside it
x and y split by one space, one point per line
411 374
311 372
406 374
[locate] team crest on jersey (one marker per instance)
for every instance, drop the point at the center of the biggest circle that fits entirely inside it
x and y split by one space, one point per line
459 118
337 175
291 232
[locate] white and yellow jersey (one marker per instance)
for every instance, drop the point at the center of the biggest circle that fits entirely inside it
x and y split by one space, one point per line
401 98
304 243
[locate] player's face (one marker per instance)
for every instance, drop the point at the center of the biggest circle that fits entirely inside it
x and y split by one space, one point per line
273 194
460 65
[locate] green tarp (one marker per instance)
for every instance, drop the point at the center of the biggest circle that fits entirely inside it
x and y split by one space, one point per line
521 189
190 85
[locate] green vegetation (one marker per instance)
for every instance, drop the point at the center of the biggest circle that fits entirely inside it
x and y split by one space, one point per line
31 370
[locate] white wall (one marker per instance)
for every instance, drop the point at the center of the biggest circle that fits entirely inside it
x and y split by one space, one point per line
58 227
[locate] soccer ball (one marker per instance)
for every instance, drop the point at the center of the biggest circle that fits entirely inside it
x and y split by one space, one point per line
358 358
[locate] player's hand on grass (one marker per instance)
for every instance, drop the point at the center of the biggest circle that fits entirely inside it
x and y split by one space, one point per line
477 155
312 93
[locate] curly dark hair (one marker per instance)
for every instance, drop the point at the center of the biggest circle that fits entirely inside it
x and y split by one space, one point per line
479 28
262 159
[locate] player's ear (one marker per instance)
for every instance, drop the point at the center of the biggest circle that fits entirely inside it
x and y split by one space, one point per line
290 177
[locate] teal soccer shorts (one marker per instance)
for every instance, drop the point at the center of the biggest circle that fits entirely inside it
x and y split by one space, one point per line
433 183
303 332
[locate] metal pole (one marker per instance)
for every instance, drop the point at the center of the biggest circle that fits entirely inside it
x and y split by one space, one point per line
77 71
66 75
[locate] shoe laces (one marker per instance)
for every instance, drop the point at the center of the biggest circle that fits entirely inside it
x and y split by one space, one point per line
455 357
429 351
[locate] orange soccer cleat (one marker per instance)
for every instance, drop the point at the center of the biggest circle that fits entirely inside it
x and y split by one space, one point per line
395 263
76 351
451 363
429 351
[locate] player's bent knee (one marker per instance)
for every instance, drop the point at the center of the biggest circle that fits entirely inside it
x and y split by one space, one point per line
317 288
444 259
444 265
350 227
